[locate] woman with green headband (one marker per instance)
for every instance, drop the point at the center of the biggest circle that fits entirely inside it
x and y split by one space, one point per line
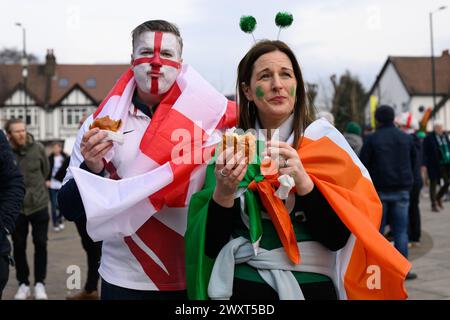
300 219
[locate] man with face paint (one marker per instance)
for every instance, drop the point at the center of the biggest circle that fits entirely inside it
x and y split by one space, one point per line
156 61
155 97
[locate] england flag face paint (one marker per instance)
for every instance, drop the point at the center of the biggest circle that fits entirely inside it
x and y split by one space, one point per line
156 61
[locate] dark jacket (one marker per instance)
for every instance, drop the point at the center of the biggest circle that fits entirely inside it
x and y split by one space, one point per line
12 191
69 198
33 164
389 155
431 155
61 173
418 182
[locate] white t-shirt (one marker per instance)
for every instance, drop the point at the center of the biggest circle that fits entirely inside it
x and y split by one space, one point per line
128 262
58 161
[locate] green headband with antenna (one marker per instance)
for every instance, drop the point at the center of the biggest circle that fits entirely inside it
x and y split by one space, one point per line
248 25
282 20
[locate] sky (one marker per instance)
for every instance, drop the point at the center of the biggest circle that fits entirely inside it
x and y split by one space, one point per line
328 36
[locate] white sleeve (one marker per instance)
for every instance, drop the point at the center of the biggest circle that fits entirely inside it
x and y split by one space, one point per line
76 158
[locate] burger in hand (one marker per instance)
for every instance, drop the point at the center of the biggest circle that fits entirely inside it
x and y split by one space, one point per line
110 126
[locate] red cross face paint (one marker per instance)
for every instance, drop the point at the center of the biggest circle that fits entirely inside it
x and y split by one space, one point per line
156 61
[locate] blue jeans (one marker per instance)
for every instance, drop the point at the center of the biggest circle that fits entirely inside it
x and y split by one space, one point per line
395 208
56 214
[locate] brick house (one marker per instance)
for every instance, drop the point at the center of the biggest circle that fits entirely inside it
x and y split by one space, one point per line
56 95
405 84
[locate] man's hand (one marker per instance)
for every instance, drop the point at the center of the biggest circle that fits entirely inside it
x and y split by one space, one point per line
93 149
47 184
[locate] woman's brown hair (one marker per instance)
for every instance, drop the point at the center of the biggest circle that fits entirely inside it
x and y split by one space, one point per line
247 109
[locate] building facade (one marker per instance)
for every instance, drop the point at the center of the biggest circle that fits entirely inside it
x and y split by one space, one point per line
54 97
405 83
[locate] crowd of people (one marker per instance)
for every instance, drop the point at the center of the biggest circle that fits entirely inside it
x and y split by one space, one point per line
400 158
302 219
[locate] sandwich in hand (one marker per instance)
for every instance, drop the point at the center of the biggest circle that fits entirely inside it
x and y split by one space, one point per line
240 142
110 126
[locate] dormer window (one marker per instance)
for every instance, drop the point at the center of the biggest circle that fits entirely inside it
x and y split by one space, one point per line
63 82
91 83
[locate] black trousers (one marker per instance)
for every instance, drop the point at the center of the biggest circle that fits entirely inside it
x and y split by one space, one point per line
445 175
4 272
414 214
39 229
113 292
93 252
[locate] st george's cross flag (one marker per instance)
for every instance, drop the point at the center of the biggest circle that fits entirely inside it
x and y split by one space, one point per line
118 207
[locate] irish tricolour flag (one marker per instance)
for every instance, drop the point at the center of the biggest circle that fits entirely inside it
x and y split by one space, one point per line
367 267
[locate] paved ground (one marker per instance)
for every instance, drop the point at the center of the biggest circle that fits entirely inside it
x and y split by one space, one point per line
430 261
64 250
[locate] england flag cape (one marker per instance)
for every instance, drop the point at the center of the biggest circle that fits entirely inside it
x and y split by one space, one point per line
367 267
179 139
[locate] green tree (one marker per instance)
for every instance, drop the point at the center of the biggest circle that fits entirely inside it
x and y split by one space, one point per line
348 100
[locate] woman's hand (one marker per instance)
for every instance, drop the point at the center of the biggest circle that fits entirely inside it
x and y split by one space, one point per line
290 164
230 170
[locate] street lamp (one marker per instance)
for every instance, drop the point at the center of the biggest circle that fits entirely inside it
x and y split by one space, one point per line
24 62
433 71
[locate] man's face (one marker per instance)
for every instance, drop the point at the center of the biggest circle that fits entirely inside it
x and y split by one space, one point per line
439 129
156 61
18 134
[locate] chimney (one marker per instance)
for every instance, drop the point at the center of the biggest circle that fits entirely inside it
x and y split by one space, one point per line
49 72
50 63
445 53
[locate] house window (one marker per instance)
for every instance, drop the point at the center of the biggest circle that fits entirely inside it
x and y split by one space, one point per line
19 113
91 83
63 82
71 116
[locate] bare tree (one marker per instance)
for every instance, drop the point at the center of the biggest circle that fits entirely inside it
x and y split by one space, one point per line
14 56
348 100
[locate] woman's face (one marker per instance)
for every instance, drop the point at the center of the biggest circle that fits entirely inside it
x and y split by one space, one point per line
272 86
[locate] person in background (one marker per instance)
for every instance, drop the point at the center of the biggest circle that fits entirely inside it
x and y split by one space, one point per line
408 124
327 115
12 191
390 155
353 136
368 130
59 161
33 164
436 159
93 254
